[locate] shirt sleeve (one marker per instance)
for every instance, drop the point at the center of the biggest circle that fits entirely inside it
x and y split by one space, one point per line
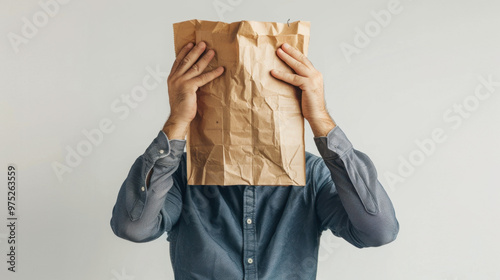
144 212
350 201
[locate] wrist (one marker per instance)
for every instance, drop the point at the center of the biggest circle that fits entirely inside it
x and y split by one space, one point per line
175 130
321 126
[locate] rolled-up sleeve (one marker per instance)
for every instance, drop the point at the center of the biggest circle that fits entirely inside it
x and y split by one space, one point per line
350 201
142 211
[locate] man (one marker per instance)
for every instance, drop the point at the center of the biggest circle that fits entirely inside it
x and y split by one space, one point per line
251 232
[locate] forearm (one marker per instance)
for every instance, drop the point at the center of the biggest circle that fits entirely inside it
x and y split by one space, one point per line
369 208
137 212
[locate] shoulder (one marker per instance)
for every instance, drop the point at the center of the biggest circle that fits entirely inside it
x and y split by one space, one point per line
313 162
311 159
318 174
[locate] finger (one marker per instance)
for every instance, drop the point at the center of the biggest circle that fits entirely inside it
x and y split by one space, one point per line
181 55
296 65
200 66
191 58
295 53
207 77
292 79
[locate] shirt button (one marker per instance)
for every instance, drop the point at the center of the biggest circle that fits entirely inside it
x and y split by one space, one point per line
249 221
250 260
142 188
162 151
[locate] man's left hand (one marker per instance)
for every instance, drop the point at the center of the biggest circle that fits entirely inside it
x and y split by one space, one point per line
310 81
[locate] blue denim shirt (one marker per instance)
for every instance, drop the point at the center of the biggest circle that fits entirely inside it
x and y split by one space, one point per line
253 232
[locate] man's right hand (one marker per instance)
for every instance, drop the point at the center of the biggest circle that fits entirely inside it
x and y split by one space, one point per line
186 77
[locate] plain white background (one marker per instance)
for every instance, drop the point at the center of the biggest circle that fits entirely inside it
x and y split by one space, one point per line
409 77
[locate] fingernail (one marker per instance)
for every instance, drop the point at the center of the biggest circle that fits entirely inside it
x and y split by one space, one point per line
189 45
201 44
286 45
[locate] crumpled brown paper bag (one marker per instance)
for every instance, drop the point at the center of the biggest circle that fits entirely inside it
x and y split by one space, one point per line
249 129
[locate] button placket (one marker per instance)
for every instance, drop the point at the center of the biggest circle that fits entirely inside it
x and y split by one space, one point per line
249 233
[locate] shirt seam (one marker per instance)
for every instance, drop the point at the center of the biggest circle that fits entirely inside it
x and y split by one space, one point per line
365 186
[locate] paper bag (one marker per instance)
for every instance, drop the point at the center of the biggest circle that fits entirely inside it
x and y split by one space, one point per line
249 129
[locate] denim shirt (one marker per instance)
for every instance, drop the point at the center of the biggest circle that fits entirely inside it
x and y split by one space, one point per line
253 232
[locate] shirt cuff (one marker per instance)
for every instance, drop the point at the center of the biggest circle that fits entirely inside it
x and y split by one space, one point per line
164 151
334 144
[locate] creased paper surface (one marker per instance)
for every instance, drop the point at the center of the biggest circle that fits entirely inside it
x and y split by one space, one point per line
249 129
